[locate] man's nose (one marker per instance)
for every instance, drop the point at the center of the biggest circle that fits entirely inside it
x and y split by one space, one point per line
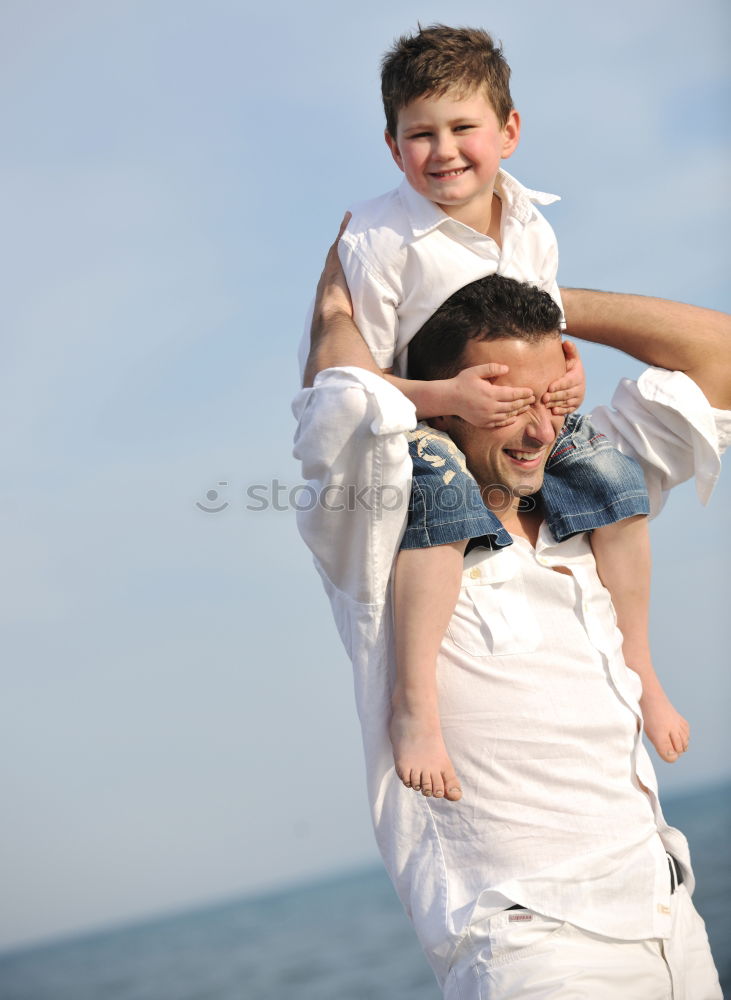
540 426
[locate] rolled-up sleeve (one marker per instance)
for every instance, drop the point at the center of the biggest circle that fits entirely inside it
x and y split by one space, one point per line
351 442
666 423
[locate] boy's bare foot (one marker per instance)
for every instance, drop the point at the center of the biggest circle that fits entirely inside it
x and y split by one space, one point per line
421 758
666 728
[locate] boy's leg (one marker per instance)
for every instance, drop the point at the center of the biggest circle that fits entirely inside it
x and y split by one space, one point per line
446 510
426 587
622 553
589 486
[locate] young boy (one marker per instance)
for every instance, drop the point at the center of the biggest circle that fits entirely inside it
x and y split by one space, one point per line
450 121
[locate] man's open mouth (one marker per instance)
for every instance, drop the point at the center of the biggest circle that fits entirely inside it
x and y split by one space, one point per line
524 457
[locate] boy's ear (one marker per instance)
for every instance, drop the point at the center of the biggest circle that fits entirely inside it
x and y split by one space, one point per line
393 146
511 134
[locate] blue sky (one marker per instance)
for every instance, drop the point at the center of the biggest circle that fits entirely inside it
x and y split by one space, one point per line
177 719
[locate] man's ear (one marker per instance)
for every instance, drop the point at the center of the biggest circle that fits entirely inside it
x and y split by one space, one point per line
395 152
511 134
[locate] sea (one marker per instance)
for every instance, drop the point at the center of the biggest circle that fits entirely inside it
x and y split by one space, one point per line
344 938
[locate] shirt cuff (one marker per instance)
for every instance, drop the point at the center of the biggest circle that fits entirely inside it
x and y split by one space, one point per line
682 408
393 411
723 428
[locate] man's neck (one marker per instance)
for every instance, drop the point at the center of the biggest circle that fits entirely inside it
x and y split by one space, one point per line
526 523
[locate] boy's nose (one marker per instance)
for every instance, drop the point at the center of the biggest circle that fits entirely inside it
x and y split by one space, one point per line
445 146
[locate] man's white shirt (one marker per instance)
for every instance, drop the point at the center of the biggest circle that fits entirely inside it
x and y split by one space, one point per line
540 714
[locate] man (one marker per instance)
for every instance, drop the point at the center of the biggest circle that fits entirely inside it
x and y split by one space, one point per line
556 874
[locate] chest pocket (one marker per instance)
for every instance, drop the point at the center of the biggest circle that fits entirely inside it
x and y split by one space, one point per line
495 619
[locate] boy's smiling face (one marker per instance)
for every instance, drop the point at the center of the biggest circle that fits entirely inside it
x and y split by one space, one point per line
450 148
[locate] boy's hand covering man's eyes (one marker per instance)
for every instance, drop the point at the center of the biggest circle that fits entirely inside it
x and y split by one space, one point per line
566 394
480 402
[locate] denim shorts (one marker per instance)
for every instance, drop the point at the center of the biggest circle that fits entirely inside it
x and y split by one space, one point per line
587 484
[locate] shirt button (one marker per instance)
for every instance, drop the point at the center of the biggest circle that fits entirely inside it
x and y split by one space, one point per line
475 573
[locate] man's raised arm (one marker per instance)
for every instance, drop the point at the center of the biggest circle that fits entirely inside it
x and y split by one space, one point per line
674 420
664 334
334 338
352 444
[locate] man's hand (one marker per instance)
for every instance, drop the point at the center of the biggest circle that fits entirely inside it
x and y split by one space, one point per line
566 394
476 399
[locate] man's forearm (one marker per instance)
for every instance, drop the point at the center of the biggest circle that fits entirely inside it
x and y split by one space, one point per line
658 332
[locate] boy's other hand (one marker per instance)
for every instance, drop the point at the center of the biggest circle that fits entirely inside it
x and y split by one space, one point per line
566 394
479 401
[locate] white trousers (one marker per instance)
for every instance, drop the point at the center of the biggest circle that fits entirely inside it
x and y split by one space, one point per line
520 954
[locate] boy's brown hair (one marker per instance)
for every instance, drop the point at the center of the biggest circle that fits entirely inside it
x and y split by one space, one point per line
439 59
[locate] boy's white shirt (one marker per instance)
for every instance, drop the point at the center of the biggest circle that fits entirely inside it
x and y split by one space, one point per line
403 257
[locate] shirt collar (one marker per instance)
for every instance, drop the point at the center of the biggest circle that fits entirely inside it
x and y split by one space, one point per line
424 216
518 199
548 551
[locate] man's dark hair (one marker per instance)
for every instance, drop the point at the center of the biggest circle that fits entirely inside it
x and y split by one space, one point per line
439 60
491 308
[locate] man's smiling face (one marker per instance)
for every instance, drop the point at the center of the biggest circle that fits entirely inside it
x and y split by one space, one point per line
514 456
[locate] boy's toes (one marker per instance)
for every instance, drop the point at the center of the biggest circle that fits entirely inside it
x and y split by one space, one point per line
437 789
404 774
452 787
667 751
442 784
